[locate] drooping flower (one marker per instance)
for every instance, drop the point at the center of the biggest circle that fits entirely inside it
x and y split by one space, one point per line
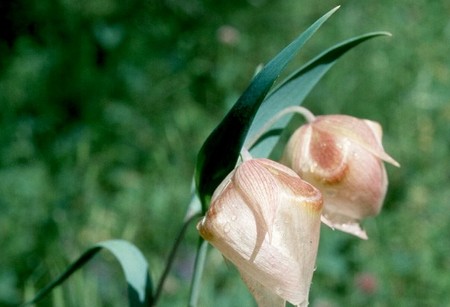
266 220
343 157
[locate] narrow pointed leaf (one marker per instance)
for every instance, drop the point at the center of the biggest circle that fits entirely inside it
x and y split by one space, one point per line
293 90
133 264
221 150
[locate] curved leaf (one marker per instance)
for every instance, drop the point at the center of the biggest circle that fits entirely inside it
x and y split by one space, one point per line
293 90
133 264
219 153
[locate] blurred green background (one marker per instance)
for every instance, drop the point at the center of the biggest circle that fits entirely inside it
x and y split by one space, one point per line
105 104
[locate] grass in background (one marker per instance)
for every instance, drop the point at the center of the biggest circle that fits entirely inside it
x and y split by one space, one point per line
106 103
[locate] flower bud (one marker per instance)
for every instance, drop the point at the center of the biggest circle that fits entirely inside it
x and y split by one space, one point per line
343 157
266 220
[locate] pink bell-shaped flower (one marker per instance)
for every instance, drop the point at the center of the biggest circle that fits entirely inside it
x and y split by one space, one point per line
266 220
343 157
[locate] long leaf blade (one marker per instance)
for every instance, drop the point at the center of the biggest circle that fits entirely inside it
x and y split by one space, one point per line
133 264
293 90
220 152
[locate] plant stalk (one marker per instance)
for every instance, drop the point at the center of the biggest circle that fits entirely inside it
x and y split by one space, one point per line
198 272
171 257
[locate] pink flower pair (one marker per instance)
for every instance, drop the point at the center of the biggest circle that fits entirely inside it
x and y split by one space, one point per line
265 216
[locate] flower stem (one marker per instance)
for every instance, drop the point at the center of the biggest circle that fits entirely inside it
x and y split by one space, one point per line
307 114
198 272
245 154
171 257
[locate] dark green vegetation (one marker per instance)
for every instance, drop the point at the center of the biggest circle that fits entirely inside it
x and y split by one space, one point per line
106 103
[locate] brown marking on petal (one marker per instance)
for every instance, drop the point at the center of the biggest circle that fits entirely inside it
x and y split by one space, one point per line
315 205
301 190
365 133
328 157
204 230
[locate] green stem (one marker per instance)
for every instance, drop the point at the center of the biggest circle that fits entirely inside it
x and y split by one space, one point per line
171 258
292 109
198 272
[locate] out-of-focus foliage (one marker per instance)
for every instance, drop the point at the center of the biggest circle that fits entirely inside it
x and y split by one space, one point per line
105 104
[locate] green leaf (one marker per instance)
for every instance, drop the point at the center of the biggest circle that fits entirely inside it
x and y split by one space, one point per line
220 152
293 90
133 264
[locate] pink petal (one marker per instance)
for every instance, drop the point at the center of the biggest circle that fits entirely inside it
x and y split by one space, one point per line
368 136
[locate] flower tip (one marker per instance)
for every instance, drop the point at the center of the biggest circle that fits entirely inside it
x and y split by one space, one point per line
395 163
352 227
327 222
390 160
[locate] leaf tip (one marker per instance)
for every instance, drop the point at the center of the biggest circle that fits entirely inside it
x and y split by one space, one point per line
335 9
385 33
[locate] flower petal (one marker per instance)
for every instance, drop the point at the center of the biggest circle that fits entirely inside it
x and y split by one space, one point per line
264 296
365 133
343 157
283 263
378 132
258 188
232 229
350 227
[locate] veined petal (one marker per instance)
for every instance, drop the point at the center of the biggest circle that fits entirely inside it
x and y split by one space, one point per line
365 133
284 263
233 232
378 132
313 151
258 188
350 227
296 234
343 157
264 296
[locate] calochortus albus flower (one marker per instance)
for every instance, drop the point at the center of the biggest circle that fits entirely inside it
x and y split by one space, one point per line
266 220
343 157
